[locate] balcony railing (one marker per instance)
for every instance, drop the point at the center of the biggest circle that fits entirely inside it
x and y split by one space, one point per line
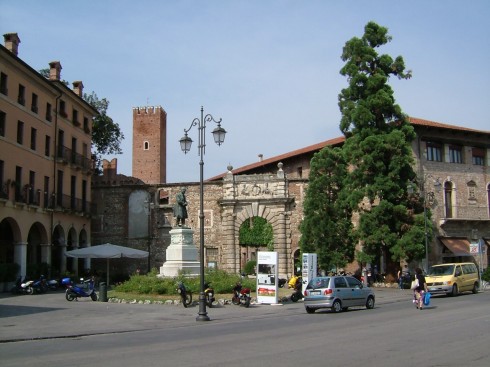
67 155
37 197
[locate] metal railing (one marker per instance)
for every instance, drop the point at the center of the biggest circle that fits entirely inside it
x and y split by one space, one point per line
67 155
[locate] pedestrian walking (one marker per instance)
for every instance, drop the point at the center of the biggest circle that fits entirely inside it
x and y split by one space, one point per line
420 288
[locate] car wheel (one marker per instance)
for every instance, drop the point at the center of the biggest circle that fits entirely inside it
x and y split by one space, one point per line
309 310
475 289
336 306
455 291
370 303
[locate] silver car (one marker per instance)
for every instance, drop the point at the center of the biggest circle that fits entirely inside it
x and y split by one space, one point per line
337 293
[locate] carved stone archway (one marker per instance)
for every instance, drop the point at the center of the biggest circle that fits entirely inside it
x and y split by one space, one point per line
258 195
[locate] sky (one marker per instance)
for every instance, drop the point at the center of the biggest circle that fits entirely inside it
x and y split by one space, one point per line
268 68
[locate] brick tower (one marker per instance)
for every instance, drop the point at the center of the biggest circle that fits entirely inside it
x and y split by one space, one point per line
150 144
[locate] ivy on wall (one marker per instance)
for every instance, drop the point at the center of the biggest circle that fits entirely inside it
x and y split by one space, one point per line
256 232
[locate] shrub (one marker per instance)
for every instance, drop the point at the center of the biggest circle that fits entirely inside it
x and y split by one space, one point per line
250 267
221 281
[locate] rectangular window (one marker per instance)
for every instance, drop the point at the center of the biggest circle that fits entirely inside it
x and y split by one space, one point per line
84 196
73 193
85 125
32 185
34 107
59 191
18 183
47 145
73 150
3 189
3 84
455 154
46 191
63 108
3 117
75 117
49 117
478 157
21 98
33 138
434 151
20 132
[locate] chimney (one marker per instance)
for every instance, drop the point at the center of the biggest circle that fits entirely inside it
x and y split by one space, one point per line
261 157
78 88
54 70
12 41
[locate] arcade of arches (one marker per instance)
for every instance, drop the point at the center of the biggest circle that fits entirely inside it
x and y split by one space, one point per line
37 253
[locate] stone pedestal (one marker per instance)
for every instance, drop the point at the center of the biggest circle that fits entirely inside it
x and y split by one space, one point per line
182 254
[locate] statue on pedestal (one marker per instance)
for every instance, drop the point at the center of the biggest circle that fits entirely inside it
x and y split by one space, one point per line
180 208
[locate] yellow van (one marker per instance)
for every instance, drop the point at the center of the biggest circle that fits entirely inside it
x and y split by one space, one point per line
452 279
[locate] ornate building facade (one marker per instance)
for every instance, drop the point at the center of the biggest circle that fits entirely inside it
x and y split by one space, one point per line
45 165
454 159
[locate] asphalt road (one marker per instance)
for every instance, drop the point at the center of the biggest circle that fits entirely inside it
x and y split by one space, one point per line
46 330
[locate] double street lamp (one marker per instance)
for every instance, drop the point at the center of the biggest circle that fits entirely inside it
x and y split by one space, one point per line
185 144
428 198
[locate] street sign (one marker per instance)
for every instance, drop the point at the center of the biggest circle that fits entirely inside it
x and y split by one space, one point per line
474 248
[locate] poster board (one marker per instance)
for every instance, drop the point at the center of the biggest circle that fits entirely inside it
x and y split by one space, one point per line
267 281
309 269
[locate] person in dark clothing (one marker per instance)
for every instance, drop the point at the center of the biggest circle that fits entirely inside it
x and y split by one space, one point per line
420 289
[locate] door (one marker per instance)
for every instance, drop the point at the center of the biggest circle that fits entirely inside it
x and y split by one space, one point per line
356 291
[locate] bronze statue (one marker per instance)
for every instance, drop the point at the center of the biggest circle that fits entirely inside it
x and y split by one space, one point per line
180 208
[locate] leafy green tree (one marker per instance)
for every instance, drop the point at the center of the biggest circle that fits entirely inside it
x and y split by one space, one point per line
257 232
327 225
377 147
106 134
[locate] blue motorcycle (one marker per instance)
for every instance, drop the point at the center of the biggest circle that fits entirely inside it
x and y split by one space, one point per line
75 291
40 285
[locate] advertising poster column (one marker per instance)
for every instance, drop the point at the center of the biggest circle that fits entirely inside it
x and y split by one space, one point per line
309 269
267 284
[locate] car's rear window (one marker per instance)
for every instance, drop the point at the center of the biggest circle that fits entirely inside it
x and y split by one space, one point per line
318 283
441 270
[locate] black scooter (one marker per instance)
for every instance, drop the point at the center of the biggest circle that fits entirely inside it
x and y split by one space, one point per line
209 294
185 294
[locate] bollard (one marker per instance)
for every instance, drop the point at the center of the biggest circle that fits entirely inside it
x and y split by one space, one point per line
102 292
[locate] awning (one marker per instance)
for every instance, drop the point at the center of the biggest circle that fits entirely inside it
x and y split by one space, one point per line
457 246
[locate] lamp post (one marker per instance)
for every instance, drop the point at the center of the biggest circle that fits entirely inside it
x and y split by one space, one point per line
430 196
185 144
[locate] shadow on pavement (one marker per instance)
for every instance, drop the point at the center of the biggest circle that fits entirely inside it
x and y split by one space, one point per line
11 310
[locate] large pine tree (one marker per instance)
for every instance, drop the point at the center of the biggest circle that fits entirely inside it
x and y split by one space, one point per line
378 155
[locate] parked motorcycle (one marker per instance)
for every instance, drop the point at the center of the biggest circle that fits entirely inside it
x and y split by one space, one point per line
40 285
209 294
53 284
241 296
75 291
185 294
22 286
297 294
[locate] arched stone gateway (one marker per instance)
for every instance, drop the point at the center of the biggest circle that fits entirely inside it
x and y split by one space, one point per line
259 195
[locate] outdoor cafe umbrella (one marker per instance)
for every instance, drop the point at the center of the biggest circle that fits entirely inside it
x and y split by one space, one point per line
107 251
